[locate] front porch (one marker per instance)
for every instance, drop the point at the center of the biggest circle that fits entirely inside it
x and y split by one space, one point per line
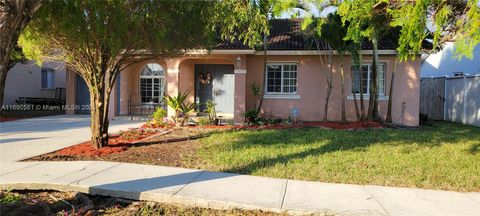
217 78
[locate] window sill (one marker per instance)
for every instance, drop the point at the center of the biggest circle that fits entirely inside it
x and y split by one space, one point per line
282 96
366 97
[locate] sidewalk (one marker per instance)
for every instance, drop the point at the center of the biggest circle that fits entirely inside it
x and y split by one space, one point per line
223 190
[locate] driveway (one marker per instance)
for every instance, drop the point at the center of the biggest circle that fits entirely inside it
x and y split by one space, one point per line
26 138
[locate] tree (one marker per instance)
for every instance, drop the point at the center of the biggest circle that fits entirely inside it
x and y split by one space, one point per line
438 20
97 39
330 29
367 19
356 57
14 16
249 22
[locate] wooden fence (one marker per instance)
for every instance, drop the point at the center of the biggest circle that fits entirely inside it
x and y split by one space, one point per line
432 91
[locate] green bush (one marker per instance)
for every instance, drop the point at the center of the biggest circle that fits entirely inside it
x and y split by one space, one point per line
212 113
251 116
9 197
203 121
158 116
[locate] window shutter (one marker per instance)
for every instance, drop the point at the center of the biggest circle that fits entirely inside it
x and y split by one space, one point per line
44 78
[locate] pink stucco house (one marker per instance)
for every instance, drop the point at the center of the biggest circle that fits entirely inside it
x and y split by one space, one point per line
296 78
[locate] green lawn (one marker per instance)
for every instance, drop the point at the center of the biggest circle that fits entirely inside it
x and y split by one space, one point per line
440 156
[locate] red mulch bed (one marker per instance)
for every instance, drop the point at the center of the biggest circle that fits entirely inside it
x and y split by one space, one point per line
4 119
115 144
349 125
331 125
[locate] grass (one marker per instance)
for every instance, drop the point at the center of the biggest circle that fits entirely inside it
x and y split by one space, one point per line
438 156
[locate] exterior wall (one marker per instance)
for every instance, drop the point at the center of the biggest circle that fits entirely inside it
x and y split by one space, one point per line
129 81
311 81
25 80
179 77
444 63
312 73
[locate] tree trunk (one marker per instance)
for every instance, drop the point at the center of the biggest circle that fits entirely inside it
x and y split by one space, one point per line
3 78
357 111
16 15
262 91
390 93
373 103
100 90
99 137
342 76
362 101
329 84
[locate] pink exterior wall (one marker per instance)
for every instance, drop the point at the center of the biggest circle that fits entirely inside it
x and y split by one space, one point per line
312 88
311 83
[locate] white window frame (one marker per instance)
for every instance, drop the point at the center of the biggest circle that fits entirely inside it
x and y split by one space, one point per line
281 94
152 77
50 79
369 65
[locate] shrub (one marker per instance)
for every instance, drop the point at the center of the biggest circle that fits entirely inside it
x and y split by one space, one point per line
181 106
9 197
158 116
203 121
212 113
251 116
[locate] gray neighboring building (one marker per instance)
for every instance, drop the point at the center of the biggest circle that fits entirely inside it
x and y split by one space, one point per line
31 80
444 63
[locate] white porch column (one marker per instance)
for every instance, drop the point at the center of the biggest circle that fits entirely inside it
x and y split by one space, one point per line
172 80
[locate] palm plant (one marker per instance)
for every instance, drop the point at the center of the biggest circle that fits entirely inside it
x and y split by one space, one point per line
181 106
212 113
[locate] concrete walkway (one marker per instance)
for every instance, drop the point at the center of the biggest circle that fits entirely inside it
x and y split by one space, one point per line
25 138
212 189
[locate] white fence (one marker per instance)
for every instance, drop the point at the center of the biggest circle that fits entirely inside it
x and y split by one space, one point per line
462 99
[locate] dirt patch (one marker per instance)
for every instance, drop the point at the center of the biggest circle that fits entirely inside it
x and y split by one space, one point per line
71 203
176 148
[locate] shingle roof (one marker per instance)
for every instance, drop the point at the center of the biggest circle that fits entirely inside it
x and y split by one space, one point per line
286 34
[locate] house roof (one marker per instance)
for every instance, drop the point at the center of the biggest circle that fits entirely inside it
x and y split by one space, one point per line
286 34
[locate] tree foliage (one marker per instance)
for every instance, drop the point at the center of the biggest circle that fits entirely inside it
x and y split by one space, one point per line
97 39
439 21
14 16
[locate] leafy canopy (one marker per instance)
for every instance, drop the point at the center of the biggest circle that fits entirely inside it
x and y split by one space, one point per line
89 31
247 20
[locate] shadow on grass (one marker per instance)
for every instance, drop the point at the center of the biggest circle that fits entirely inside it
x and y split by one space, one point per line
342 140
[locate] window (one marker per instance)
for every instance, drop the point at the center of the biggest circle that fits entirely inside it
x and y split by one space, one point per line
366 71
281 79
47 78
152 83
